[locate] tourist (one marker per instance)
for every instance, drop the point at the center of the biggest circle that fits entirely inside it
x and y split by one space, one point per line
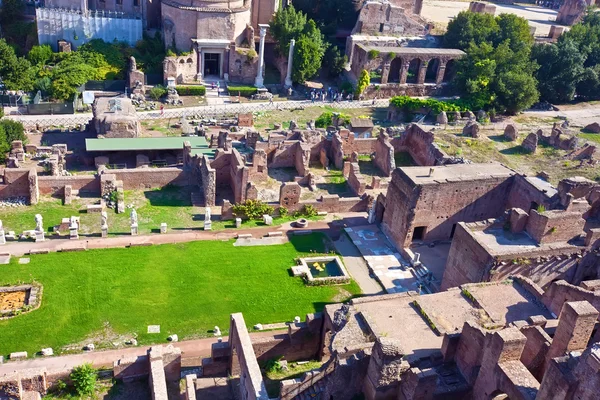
162 110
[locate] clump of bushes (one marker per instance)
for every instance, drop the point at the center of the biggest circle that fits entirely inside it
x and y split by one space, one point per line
326 119
411 104
157 92
373 54
245 91
84 379
191 90
252 209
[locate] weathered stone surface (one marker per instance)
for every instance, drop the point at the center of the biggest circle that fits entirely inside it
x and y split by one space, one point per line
594 127
442 118
471 129
511 132
530 143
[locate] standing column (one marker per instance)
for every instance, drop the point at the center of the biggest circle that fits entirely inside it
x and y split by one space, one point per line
422 72
385 73
404 72
261 56
288 77
439 78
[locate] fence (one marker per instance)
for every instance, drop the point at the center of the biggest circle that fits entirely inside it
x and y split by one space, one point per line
50 108
206 111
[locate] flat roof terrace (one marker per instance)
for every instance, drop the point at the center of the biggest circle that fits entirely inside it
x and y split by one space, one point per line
414 51
199 144
456 172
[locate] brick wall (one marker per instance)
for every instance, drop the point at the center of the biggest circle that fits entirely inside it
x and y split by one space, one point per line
150 178
16 183
523 193
468 261
55 185
420 145
554 226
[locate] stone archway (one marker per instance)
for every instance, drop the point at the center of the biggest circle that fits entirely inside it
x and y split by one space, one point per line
431 72
413 71
450 71
395 70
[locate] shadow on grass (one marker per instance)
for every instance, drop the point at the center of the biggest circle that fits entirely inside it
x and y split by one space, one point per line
516 150
498 138
403 159
169 196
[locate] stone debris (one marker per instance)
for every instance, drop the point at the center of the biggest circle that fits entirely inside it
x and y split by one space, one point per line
89 347
47 352
594 127
511 132
471 129
173 338
530 143
216 331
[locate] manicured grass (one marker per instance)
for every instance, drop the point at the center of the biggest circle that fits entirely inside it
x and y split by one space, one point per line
170 204
187 289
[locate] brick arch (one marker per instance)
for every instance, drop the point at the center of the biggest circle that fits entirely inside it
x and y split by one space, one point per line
413 70
395 69
432 69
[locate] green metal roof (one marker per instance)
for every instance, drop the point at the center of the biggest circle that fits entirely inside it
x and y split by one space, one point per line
199 144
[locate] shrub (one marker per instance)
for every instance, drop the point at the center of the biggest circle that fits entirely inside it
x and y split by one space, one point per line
252 209
309 210
347 87
283 211
84 379
363 81
157 92
391 56
326 119
411 104
191 90
373 54
245 91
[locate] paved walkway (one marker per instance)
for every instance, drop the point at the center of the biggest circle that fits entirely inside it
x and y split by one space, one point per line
357 267
198 348
21 248
388 266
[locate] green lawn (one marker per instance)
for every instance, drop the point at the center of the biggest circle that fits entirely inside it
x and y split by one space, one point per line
186 288
170 204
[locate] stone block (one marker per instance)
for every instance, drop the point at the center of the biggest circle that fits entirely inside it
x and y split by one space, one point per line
530 143
518 220
511 132
594 127
134 229
18 355
163 227
238 222
267 219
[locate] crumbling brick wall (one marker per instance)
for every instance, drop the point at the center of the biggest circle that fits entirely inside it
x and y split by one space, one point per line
554 226
150 178
384 154
355 179
15 183
55 185
209 181
241 67
420 145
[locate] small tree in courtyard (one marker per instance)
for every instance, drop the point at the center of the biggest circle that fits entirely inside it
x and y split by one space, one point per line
363 81
84 379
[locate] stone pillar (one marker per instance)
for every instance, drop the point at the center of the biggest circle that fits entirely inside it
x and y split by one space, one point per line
385 73
261 56
422 72
575 325
199 71
404 72
288 77
439 78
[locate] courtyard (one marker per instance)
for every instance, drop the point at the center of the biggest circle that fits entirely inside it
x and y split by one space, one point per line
107 297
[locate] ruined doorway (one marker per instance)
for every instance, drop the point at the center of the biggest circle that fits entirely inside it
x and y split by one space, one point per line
212 64
395 67
413 71
534 206
419 233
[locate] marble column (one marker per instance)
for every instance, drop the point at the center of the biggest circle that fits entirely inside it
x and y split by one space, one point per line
385 73
288 77
404 72
439 78
259 82
422 72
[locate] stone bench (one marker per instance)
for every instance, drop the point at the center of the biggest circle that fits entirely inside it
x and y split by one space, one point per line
244 236
19 355
274 234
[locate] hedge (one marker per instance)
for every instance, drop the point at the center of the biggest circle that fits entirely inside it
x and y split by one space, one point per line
191 90
245 91
412 104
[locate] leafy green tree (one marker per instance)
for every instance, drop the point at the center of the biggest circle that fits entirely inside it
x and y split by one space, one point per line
157 92
335 61
469 28
113 54
10 130
15 71
308 53
84 379
287 24
561 70
72 72
40 55
589 86
363 81
515 30
330 15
